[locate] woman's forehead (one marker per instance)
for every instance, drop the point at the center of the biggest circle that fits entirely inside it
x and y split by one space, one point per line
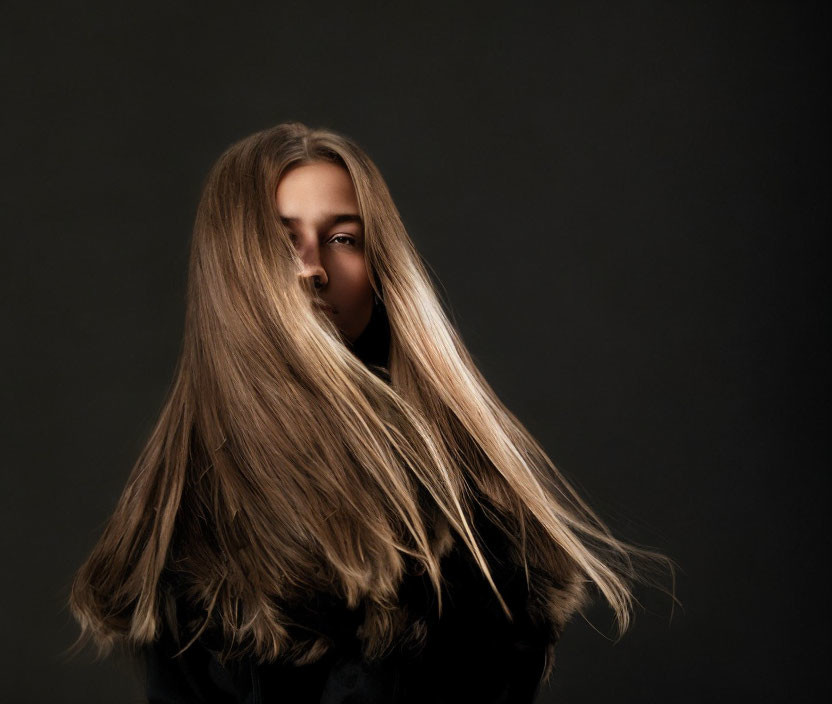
314 192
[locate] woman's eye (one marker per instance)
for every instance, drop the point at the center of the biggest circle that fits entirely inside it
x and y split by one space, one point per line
350 239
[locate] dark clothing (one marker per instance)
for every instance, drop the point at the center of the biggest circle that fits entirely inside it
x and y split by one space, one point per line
471 654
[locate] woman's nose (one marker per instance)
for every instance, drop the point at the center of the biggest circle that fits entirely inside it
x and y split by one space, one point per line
313 269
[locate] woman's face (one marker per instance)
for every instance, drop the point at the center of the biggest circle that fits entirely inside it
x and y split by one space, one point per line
317 203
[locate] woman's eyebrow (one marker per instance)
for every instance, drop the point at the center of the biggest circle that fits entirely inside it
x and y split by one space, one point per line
335 219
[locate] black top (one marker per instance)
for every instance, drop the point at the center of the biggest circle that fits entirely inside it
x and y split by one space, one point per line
471 654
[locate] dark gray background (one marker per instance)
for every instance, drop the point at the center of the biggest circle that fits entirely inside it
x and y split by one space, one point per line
627 204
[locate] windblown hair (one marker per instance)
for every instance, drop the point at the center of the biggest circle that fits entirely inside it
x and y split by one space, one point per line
281 466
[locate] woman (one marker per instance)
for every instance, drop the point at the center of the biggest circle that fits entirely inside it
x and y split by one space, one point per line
334 505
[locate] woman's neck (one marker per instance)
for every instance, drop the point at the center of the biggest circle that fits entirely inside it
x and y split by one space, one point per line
372 346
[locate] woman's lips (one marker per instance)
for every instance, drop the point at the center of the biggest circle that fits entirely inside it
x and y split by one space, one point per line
324 306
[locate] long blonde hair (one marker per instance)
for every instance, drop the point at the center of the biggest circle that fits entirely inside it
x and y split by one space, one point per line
281 466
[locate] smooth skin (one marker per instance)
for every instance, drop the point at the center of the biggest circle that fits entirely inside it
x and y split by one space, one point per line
317 203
